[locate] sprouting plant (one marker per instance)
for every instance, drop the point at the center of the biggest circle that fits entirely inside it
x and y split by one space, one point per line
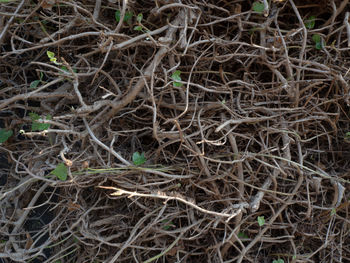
310 22
35 83
138 158
5 135
318 41
278 261
52 57
37 126
258 7
176 78
127 16
139 18
60 171
261 220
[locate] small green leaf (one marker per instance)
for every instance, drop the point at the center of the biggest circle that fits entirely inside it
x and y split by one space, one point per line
50 54
4 135
138 158
127 16
34 84
37 126
258 7
52 58
278 261
242 235
66 69
261 220
60 172
138 28
310 22
318 41
117 15
177 78
139 17
333 211
347 135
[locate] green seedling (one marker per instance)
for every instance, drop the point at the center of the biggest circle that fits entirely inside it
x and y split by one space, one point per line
318 41
176 78
5 135
310 22
261 220
258 7
127 16
139 17
278 261
138 158
37 126
60 172
52 57
34 84
139 27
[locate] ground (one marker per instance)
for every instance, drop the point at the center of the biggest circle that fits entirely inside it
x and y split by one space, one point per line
174 131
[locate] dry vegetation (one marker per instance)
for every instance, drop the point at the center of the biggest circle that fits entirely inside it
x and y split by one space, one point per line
256 127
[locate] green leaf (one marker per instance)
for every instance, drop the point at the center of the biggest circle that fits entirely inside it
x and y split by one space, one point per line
37 126
258 7
139 17
34 84
50 54
52 58
60 172
177 78
138 158
242 235
310 22
127 16
333 211
4 135
261 220
318 41
138 28
278 261
66 69
347 135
